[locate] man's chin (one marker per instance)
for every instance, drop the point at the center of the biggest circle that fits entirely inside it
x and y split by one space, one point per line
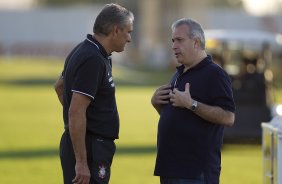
120 50
179 61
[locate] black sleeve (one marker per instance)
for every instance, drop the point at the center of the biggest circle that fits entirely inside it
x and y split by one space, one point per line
88 77
221 91
68 58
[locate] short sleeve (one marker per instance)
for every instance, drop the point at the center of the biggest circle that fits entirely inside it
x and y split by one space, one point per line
221 90
88 78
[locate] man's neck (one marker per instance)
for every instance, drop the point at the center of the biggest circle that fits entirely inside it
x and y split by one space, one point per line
202 55
104 41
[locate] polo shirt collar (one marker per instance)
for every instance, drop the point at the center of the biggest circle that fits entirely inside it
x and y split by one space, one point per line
207 60
98 45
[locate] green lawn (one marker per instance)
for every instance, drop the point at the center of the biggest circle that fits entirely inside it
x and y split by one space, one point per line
31 126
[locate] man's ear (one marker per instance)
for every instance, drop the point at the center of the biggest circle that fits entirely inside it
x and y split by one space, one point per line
196 43
115 30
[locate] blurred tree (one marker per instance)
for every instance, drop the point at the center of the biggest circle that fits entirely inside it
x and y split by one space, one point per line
226 3
215 3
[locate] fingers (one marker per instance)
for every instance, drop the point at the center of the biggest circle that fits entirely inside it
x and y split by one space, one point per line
164 95
163 91
79 179
161 95
82 174
175 90
163 87
176 97
163 99
172 97
166 87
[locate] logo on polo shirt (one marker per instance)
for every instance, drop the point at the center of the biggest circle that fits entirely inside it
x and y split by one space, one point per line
111 81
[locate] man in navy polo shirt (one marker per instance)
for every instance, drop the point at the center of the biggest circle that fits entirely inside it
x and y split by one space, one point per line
87 91
193 108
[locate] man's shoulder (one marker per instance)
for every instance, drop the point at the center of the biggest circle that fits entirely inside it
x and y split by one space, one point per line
215 71
83 55
88 52
215 67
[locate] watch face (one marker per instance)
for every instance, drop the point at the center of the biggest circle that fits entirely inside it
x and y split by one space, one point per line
194 105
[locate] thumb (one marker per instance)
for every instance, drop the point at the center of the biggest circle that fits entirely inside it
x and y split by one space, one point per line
187 87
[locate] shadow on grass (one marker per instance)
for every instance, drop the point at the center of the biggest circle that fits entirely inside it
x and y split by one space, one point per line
51 152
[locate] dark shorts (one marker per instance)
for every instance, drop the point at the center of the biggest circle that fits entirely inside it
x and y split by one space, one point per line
100 154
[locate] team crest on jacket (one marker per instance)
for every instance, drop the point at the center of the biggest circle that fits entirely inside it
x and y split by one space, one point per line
102 171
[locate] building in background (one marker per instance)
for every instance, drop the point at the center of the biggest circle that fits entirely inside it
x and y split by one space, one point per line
44 31
53 32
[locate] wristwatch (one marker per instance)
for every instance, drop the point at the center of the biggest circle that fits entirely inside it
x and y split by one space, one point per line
194 106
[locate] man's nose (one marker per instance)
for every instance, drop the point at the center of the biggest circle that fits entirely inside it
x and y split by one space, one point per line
173 45
129 39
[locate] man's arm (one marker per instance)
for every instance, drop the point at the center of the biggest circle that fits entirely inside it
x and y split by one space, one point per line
213 114
59 88
161 97
77 128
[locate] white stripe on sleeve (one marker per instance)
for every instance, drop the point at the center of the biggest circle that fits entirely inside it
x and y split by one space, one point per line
82 93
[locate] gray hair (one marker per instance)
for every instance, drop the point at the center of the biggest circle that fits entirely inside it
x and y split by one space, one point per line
112 14
195 29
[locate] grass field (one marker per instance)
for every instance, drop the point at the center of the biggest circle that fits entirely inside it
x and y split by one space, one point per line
31 126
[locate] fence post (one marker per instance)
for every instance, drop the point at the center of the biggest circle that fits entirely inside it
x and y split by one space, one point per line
272 151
